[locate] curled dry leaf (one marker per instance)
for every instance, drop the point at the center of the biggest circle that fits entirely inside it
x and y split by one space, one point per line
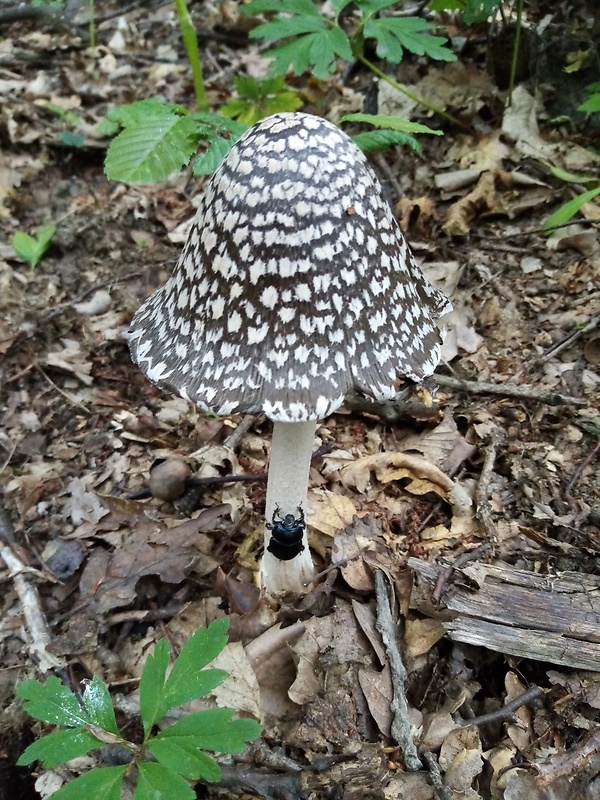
462 760
424 476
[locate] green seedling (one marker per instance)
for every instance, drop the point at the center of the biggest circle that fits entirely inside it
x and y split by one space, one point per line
168 760
260 98
569 209
33 248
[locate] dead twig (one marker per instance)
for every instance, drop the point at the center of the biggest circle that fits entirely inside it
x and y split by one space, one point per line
579 471
445 575
483 510
435 774
560 346
507 712
36 625
401 728
509 390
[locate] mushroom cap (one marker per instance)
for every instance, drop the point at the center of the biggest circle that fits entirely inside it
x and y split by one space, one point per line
294 286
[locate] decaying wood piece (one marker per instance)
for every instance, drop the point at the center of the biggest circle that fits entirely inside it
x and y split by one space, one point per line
544 617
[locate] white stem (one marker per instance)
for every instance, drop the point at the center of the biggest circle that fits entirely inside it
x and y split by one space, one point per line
287 486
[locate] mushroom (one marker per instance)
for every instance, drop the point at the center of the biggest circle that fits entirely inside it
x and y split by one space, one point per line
295 285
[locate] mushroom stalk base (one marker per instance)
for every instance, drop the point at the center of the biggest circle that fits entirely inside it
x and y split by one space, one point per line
287 486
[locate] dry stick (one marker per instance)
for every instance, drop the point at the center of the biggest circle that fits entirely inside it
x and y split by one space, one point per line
507 711
35 621
483 508
509 390
560 346
401 728
579 471
442 793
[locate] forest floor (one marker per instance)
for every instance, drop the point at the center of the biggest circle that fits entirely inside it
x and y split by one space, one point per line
483 514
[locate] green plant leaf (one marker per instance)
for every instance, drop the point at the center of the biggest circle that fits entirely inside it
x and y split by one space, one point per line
478 10
301 7
213 730
103 783
32 248
185 759
98 703
371 7
376 141
52 702
58 747
259 98
315 51
156 782
152 684
208 162
134 114
394 123
151 151
395 34
188 680
568 210
591 105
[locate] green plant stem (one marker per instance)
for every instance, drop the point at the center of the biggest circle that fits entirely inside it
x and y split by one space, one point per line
190 40
414 97
92 24
515 53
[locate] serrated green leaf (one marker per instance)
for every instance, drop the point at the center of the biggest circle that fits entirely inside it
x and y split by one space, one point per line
52 702
314 51
591 105
156 148
300 7
98 703
213 730
103 783
185 759
156 782
59 747
288 26
208 162
371 7
376 141
152 684
134 114
568 210
394 123
395 34
188 679
339 5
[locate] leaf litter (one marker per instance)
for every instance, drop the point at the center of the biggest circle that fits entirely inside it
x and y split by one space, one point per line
81 428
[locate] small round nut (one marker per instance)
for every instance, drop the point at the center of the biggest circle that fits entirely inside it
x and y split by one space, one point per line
168 478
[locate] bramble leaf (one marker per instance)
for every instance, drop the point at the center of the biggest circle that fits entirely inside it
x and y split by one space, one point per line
59 747
213 730
156 782
98 703
396 34
99 784
186 759
52 702
376 141
150 151
216 151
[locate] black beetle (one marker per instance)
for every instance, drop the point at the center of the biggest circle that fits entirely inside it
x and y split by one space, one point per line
288 531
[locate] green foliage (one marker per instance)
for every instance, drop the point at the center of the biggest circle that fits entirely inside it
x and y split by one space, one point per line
395 131
316 40
158 139
178 749
592 104
260 98
33 248
568 210
473 11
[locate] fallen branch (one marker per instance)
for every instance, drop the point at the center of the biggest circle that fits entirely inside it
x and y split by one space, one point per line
509 390
36 626
401 728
